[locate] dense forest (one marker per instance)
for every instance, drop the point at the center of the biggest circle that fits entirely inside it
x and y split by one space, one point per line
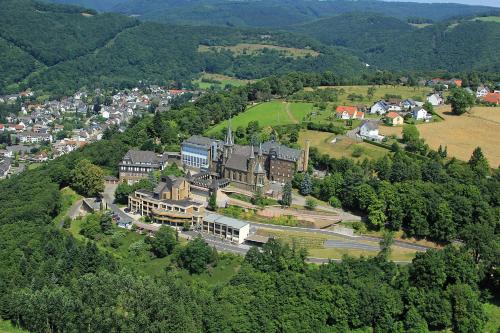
389 43
49 281
271 13
108 50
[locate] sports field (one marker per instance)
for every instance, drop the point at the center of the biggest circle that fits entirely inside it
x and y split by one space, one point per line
344 147
267 114
461 134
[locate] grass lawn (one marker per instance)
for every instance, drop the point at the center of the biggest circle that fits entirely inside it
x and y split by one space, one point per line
247 48
314 243
68 198
226 268
223 80
6 327
488 19
493 313
267 114
345 147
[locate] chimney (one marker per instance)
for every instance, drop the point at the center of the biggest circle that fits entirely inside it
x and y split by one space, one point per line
306 155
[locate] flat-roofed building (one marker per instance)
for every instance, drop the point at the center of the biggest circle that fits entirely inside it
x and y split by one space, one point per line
225 227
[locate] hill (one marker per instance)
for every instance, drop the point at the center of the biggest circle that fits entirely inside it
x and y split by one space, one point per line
389 43
271 13
59 48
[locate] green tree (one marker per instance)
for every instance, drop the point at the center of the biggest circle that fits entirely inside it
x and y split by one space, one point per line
196 256
106 224
87 179
385 245
286 197
478 163
461 101
212 201
306 185
164 242
468 314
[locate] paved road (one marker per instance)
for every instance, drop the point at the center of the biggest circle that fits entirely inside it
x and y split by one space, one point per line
406 245
73 212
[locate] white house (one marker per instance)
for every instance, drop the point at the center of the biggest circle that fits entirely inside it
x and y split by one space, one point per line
435 99
369 130
105 114
380 107
420 113
32 137
482 91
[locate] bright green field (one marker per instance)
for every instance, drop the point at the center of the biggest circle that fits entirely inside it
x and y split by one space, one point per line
493 313
488 19
6 327
267 114
222 79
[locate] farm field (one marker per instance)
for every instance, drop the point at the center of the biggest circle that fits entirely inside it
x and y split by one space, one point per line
488 19
461 134
223 79
343 148
267 114
247 48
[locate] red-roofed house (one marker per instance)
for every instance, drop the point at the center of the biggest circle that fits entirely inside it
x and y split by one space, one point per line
349 112
493 98
394 119
2 127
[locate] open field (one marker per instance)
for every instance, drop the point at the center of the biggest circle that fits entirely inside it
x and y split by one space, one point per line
314 244
344 147
417 93
222 81
267 114
488 19
493 313
6 327
420 25
246 48
461 134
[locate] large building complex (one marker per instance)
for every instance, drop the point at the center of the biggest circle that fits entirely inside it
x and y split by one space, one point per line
138 164
246 167
169 203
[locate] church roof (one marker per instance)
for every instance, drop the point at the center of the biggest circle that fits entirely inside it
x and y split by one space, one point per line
282 152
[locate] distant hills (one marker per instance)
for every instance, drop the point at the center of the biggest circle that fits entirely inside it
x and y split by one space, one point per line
58 48
272 13
388 43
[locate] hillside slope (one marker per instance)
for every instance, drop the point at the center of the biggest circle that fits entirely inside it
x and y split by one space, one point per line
59 48
388 43
271 13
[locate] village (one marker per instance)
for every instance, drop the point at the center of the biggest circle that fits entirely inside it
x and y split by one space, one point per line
39 132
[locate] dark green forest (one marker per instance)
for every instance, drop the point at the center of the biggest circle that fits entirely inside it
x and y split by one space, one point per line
264 13
50 281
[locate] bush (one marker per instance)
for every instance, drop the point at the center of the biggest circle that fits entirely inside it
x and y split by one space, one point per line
357 152
335 202
311 203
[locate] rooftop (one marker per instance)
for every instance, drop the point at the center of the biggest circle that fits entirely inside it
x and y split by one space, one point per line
238 224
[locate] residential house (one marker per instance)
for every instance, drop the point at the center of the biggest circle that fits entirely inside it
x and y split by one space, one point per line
493 98
349 112
420 113
380 107
32 137
369 130
394 119
435 99
482 91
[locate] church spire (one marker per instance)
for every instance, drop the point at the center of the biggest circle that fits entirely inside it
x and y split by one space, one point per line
252 152
260 149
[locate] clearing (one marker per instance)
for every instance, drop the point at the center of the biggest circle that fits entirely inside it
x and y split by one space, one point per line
208 80
268 114
488 19
416 93
251 49
314 243
461 134
344 147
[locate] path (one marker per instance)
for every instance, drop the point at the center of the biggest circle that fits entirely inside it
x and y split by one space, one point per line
73 212
290 114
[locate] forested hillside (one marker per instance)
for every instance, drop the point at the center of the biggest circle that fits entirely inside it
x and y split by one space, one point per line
388 43
60 49
271 13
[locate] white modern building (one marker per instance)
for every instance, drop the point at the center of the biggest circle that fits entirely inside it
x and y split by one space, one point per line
225 227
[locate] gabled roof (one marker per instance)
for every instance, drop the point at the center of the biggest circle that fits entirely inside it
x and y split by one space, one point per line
199 140
492 98
349 109
392 115
370 125
141 156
